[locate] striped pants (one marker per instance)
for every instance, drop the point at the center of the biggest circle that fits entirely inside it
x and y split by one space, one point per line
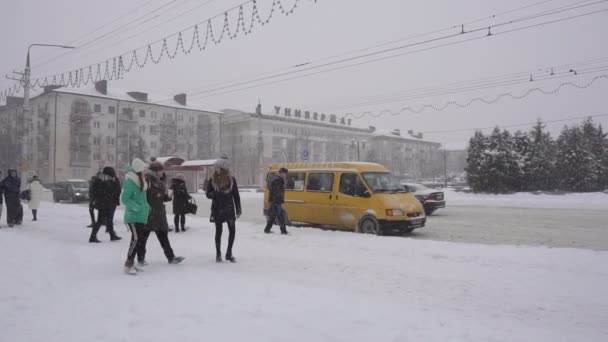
137 243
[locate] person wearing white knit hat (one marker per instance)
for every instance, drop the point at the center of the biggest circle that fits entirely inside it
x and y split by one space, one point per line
137 210
225 206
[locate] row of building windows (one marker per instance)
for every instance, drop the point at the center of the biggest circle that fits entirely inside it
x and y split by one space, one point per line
81 108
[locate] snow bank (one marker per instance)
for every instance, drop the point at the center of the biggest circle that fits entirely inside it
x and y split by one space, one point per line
595 200
313 285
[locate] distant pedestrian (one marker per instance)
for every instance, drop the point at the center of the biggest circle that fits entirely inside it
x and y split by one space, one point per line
92 184
225 207
36 190
157 221
276 187
180 197
12 189
2 188
106 191
137 209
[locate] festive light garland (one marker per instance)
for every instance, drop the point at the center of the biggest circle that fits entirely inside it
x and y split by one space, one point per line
115 68
479 99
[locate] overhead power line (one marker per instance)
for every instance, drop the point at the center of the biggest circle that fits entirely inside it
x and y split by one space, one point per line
515 125
482 33
495 99
116 67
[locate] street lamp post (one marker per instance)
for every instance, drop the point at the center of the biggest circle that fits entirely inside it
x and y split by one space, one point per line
26 92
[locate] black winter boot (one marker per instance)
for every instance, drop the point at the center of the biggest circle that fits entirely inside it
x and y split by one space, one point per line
34 214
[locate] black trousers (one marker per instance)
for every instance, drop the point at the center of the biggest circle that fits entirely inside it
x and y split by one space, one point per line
105 216
92 214
14 211
218 237
137 231
179 219
163 239
276 211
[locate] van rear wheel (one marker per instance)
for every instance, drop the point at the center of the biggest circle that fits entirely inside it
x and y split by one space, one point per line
369 225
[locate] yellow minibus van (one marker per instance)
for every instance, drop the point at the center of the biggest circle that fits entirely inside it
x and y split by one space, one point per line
362 197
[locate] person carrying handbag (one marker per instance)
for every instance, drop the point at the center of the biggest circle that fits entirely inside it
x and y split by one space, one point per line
180 202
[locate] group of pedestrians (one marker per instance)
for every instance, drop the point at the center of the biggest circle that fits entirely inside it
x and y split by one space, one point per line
144 194
11 194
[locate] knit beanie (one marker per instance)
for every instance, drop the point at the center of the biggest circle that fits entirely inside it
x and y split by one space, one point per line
222 162
139 165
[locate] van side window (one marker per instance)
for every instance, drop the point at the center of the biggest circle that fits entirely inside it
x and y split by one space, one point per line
322 182
295 181
351 185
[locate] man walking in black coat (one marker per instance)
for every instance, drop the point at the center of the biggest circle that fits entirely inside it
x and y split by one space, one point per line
12 189
1 195
106 191
276 187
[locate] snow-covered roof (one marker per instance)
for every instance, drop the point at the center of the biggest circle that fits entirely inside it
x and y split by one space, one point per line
207 162
455 146
122 95
399 135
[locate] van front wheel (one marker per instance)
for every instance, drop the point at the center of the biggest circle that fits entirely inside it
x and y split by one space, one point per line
369 225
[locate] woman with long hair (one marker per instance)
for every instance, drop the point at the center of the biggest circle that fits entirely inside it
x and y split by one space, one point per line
137 210
225 207
157 221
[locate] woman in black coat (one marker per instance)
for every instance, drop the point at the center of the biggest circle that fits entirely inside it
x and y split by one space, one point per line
180 199
157 221
225 207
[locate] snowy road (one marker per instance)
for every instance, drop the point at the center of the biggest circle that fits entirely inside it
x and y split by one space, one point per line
577 221
311 286
489 224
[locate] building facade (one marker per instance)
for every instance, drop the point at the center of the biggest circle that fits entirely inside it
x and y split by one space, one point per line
255 140
75 133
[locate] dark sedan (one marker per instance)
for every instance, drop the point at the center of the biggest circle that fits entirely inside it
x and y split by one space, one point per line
431 199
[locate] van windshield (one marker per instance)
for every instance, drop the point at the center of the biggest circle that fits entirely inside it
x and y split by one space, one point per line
382 182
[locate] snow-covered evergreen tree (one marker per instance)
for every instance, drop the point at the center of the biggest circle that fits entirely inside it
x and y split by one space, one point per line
594 142
501 169
476 162
576 164
521 148
540 160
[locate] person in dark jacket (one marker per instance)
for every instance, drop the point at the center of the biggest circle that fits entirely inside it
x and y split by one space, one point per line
276 198
106 191
180 199
12 189
94 179
2 188
225 206
157 221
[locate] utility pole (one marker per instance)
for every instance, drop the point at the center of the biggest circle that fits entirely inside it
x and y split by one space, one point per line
26 83
445 167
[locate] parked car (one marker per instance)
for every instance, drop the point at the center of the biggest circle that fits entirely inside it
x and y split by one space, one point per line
73 190
431 199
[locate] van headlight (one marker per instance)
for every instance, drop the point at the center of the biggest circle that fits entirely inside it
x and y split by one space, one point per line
77 194
394 212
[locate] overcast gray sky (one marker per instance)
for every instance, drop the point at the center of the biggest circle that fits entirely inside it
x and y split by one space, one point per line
328 28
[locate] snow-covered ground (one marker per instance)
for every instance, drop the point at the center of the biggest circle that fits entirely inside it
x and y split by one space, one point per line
594 200
313 285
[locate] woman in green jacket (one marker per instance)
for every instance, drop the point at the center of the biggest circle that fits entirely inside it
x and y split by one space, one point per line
137 209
